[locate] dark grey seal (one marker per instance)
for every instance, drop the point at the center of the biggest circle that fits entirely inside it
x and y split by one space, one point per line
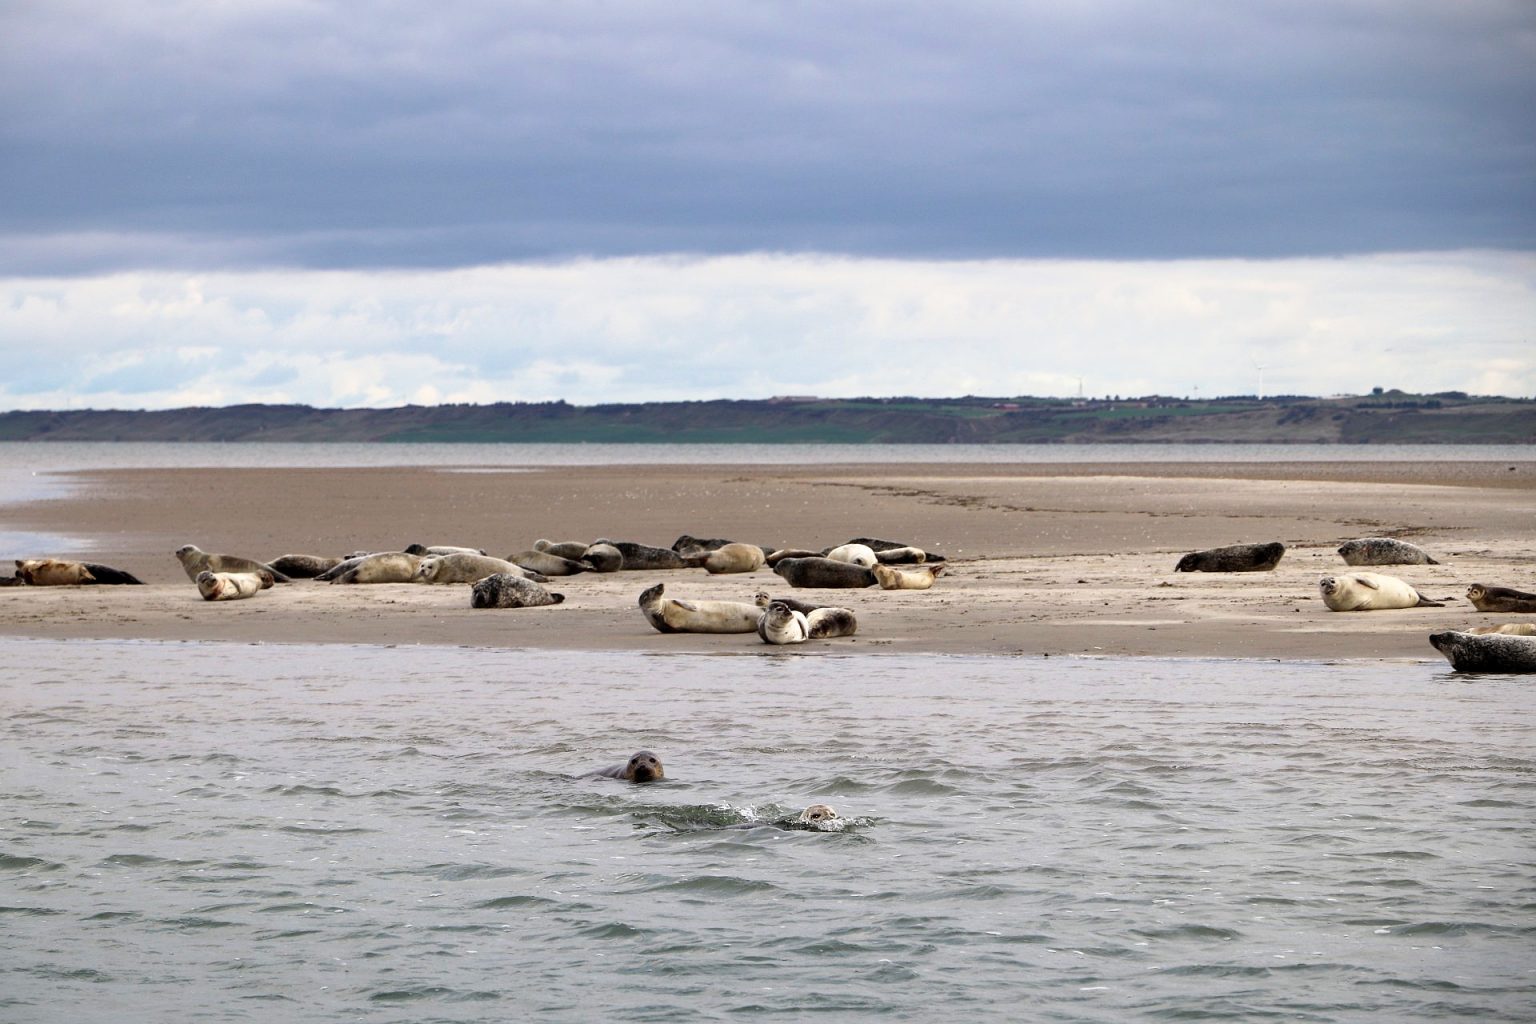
1501 599
603 557
1487 652
643 766
304 567
643 556
1383 551
506 590
1234 558
824 573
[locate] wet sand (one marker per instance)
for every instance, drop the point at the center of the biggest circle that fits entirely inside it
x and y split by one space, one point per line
1044 559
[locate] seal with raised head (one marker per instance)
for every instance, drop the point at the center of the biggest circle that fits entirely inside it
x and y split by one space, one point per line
1370 591
643 766
825 573
782 624
915 577
195 560
548 564
603 557
669 615
510 590
1383 551
463 567
1501 599
855 554
763 600
379 567
643 556
232 586
1233 558
52 572
304 567
733 557
1490 652
818 815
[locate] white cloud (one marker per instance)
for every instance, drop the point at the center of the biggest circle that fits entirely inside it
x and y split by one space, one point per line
671 328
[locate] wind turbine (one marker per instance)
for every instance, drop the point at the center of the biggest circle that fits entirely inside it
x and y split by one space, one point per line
1258 366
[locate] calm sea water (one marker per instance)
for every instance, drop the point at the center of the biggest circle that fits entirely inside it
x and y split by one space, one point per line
198 832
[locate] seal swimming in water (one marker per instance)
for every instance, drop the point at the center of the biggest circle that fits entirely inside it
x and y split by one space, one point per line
918 577
643 766
781 624
824 573
679 616
464 568
510 590
1233 558
303 567
1501 599
817 815
643 556
195 560
733 557
232 586
1490 652
1370 591
1383 551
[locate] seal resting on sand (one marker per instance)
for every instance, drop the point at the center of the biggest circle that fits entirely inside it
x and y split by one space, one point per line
1507 628
379 567
1501 599
510 590
825 573
856 554
232 586
195 560
781 624
643 766
643 556
464 568
680 616
1491 652
1383 551
52 572
916 577
733 558
304 567
1370 591
1233 558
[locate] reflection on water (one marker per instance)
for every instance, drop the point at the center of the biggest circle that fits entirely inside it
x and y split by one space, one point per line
404 834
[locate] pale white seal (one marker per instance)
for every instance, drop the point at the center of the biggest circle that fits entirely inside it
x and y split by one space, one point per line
734 558
52 572
1370 591
854 554
918 577
232 586
670 615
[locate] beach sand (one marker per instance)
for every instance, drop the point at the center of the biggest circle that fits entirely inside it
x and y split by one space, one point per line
1044 559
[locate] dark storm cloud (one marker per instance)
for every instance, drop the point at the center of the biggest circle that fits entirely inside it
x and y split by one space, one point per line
318 135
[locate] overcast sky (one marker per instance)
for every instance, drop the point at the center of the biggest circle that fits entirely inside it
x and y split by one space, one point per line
373 203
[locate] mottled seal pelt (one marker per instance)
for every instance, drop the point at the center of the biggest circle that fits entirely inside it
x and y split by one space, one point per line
1233 558
195 560
1370 591
304 567
733 558
462 567
1383 551
232 586
1490 652
781 624
643 556
1501 599
379 567
817 815
913 577
510 590
643 766
824 572
856 554
669 615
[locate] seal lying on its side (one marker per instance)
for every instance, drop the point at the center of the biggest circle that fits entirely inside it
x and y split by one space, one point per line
1507 629
1501 599
896 547
1370 591
1233 558
379 567
510 590
548 564
643 556
1383 551
824 573
733 557
781 624
303 567
775 557
1492 652
603 557
572 549
232 586
423 550
464 568
643 766
195 560
917 577
855 554
677 616
52 572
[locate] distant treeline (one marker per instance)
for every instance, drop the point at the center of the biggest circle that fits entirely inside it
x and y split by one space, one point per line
1383 417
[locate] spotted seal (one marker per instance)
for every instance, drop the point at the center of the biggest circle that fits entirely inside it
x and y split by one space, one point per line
781 624
818 815
670 615
643 766
1233 558
1370 591
1501 599
194 560
1383 551
1490 652
304 567
733 558
510 590
232 586
825 573
916 577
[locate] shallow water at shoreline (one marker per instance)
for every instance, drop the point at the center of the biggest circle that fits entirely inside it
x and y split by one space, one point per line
228 832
